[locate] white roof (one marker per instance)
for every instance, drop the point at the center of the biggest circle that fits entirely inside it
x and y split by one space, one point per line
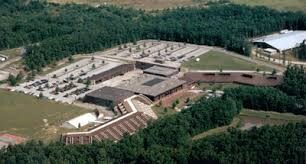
82 120
283 41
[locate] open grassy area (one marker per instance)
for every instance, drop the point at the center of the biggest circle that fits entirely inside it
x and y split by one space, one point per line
24 115
163 111
293 5
214 60
259 118
273 115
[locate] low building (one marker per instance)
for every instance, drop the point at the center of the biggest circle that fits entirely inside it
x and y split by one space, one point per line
252 79
154 87
161 71
107 96
111 73
80 121
283 41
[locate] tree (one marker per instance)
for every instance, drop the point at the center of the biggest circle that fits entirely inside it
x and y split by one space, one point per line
41 95
70 59
302 51
12 80
87 83
273 72
80 80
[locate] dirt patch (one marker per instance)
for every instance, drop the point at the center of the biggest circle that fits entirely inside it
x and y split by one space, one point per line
181 96
249 122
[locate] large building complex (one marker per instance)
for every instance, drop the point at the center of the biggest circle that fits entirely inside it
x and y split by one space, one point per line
154 87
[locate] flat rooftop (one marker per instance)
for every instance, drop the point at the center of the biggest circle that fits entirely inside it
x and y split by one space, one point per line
111 94
151 85
163 71
283 41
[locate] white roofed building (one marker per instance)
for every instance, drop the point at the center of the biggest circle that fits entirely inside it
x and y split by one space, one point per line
80 121
283 41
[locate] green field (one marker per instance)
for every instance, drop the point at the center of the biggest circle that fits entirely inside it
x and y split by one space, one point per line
214 60
273 115
293 5
23 115
163 111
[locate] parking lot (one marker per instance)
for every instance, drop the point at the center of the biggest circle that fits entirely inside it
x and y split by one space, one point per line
170 54
70 83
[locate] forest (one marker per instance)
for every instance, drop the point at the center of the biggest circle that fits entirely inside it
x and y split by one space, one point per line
290 96
259 145
52 32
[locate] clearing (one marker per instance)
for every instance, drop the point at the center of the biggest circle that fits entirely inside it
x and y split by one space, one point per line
11 53
293 5
33 118
250 118
214 60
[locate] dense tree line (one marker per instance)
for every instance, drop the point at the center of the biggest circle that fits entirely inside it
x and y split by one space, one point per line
63 30
267 99
290 96
278 144
300 52
294 82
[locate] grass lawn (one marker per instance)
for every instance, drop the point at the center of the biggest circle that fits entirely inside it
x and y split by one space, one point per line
23 115
161 111
273 115
213 60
